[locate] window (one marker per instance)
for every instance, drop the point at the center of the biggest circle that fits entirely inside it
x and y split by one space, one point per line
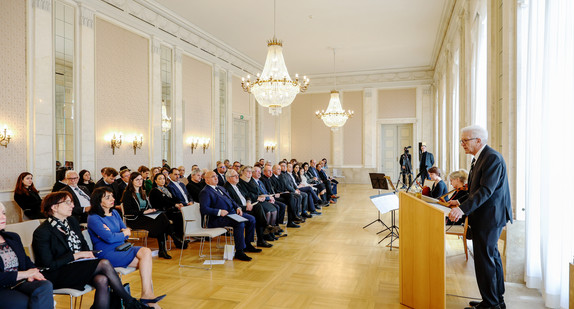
166 101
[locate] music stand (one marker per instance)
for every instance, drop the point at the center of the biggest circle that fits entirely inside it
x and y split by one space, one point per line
378 181
388 202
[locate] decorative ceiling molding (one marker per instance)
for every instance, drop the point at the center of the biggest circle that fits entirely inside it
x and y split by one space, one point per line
380 79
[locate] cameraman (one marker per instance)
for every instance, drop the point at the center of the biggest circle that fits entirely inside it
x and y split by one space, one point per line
406 168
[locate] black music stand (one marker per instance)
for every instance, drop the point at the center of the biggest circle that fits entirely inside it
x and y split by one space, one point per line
378 181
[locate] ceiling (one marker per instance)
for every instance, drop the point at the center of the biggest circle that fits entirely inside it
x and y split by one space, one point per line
369 35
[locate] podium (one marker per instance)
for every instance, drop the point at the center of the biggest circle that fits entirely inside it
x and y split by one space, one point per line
422 256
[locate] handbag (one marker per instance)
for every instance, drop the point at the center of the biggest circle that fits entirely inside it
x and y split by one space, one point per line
124 247
228 252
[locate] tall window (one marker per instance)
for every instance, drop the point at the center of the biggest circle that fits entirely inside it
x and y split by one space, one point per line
64 82
166 102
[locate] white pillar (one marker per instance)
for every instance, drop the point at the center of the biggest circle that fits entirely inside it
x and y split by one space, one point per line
41 93
177 120
155 133
370 99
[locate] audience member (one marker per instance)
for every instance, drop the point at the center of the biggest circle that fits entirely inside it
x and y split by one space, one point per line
60 180
195 184
182 178
123 180
27 197
80 196
220 172
86 180
148 184
162 199
262 190
178 189
108 176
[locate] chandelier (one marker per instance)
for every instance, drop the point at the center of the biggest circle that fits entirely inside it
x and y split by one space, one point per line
165 120
334 117
274 88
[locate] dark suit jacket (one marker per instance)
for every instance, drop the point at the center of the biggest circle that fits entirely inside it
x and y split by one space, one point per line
24 263
132 207
114 187
288 182
51 246
220 179
78 211
312 171
31 204
277 184
488 204
268 184
250 190
177 193
58 186
211 202
234 195
194 189
427 161
161 201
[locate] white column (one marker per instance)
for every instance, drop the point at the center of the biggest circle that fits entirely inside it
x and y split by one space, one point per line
85 105
177 136
155 133
370 98
337 147
229 117
215 112
41 160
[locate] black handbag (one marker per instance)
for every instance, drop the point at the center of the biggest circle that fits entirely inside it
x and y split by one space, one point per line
125 246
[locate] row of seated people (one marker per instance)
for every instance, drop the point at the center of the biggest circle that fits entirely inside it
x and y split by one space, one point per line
63 258
304 191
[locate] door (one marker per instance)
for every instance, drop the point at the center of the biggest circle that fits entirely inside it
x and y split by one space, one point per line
240 140
394 138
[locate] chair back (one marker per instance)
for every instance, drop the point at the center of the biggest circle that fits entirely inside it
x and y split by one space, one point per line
191 218
26 231
88 239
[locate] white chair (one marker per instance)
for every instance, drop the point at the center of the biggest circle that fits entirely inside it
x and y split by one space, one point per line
26 231
192 228
120 270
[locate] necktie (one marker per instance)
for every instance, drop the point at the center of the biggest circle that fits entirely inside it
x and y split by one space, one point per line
261 188
81 193
471 168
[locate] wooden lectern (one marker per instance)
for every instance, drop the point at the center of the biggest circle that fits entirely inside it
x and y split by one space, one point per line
422 255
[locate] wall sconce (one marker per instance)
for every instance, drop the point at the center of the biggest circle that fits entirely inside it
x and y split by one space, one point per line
137 143
270 146
115 141
198 142
5 137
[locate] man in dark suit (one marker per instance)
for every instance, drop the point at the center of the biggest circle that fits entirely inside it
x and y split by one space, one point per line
215 202
220 172
178 189
108 180
253 208
427 161
275 186
124 179
291 186
262 190
488 208
80 194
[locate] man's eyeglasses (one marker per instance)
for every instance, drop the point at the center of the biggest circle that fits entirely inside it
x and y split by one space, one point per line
464 141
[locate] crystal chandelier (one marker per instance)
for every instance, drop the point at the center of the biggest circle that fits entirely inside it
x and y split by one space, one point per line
335 116
274 88
165 120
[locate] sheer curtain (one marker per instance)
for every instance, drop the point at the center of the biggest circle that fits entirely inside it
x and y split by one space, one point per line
548 102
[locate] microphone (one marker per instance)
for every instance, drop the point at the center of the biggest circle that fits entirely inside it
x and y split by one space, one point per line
414 181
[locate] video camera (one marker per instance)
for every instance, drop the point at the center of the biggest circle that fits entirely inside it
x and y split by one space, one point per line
406 149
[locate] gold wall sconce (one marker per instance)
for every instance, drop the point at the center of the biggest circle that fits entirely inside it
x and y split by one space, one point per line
137 143
5 137
270 146
198 142
115 141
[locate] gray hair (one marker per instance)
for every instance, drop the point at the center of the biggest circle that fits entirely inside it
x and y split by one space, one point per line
196 171
68 172
477 132
230 172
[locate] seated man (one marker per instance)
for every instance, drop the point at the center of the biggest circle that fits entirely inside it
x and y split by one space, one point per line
217 204
312 197
108 180
178 189
262 190
80 194
255 209
291 186
220 172
272 184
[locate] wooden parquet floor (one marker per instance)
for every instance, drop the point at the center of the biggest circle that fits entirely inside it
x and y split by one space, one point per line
331 262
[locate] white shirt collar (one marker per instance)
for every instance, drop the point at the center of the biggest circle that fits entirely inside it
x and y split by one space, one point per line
479 152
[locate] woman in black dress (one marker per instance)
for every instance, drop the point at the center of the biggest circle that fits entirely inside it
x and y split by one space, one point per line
22 285
161 198
59 247
195 183
27 197
86 180
458 182
139 214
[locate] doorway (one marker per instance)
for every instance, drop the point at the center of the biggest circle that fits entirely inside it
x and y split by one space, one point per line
394 137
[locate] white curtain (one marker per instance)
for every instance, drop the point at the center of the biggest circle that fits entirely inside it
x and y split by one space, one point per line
548 100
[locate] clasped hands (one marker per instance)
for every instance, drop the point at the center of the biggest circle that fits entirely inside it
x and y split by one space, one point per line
455 213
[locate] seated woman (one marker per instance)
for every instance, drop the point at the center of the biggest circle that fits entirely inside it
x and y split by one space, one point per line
86 180
301 180
439 187
458 182
148 183
108 231
22 285
161 198
195 184
27 197
137 207
59 246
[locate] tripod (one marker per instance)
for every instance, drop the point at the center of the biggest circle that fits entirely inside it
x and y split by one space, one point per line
393 231
403 175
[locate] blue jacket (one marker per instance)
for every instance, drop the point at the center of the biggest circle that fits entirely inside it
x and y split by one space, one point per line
177 193
211 201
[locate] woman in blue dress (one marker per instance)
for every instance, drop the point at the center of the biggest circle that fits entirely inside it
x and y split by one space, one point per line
439 187
108 231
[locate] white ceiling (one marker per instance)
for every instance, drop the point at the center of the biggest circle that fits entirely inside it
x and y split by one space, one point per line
369 35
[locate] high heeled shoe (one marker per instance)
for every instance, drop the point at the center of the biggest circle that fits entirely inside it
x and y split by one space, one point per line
154 300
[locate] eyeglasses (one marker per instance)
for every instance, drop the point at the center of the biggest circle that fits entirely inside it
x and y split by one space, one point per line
74 178
67 202
464 141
